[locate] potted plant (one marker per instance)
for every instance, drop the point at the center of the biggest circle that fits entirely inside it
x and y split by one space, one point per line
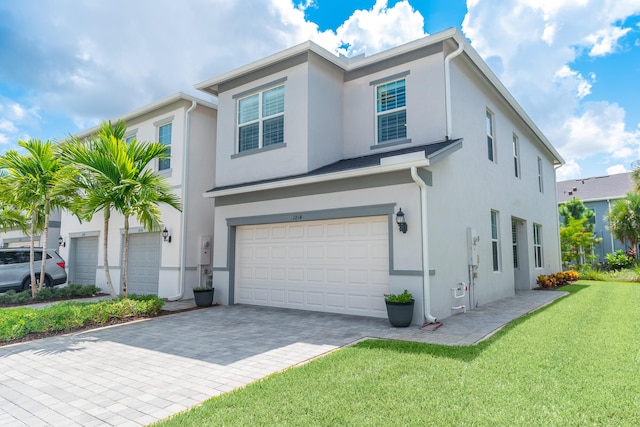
203 295
399 308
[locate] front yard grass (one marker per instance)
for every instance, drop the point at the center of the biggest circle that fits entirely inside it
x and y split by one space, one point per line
575 362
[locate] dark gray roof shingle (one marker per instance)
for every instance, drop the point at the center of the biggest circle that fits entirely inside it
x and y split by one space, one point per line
353 163
595 188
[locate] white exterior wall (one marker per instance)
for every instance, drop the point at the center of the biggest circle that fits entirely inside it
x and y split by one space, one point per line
425 100
325 126
476 185
268 163
197 213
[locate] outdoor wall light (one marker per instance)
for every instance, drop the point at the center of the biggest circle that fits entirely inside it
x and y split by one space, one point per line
402 225
61 242
165 235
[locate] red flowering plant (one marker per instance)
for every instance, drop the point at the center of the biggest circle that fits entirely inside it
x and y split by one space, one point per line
562 278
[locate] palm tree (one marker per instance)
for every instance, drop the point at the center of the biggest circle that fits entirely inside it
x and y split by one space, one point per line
118 177
624 219
10 217
33 180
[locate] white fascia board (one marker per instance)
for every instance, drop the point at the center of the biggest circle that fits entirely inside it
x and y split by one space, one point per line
210 85
353 173
179 96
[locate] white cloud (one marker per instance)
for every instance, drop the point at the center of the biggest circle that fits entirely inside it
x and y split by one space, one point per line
615 169
88 60
380 28
599 129
532 49
605 41
13 118
569 170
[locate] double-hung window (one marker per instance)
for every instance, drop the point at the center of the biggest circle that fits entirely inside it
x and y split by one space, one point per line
516 156
164 137
261 119
491 146
391 111
537 245
495 240
540 182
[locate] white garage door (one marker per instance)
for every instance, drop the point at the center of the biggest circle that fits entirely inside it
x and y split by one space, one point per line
338 266
143 272
84 260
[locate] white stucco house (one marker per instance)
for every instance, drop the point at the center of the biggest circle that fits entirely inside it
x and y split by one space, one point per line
316 155
169 267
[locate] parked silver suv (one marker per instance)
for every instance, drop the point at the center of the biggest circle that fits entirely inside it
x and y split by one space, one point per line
14 268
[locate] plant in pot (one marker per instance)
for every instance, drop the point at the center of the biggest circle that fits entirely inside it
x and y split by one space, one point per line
399 308
203 295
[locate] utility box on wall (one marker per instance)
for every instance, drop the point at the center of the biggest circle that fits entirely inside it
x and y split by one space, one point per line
205 250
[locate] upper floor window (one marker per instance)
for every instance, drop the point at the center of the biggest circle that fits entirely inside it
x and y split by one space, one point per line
164 137
491 149
261 119
516 156
391 111
540 182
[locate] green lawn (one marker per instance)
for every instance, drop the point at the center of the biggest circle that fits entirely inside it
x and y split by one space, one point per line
573 363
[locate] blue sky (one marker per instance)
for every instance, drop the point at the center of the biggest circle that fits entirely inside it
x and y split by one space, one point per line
574 65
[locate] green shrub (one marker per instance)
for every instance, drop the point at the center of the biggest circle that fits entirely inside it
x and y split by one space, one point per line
72 290
402 298
589 273
619 260
19 322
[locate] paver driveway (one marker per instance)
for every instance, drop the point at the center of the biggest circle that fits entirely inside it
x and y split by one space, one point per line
137 373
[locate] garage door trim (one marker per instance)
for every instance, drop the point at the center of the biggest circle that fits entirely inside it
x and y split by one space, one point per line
387 209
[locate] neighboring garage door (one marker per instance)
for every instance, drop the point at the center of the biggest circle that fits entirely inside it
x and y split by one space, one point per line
337 266
84 261
143 270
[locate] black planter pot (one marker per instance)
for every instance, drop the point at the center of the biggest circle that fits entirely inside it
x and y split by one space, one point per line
203 298
400 314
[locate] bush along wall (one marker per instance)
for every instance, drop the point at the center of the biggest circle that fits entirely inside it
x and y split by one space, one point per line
562 278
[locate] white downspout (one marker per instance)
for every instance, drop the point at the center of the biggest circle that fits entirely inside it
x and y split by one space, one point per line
426 285
185 199
447 87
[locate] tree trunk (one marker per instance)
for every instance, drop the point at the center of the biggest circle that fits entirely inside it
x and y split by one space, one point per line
32 268
125 255
107 274
43 243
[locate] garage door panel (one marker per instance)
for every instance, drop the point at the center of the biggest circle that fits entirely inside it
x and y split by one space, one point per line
85 261
306 267
143 264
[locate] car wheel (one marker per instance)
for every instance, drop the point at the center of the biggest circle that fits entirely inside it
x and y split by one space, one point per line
48 283
26 284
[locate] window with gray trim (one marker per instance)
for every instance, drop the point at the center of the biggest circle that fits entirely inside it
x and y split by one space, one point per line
164 137
491 146
516 155
261 119
495 240
540 182
537 245
391 111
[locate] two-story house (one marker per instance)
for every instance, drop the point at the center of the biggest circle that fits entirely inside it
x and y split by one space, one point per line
171 265
598 193
339 180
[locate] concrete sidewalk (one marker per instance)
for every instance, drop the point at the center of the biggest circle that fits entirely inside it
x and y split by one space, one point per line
137 373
